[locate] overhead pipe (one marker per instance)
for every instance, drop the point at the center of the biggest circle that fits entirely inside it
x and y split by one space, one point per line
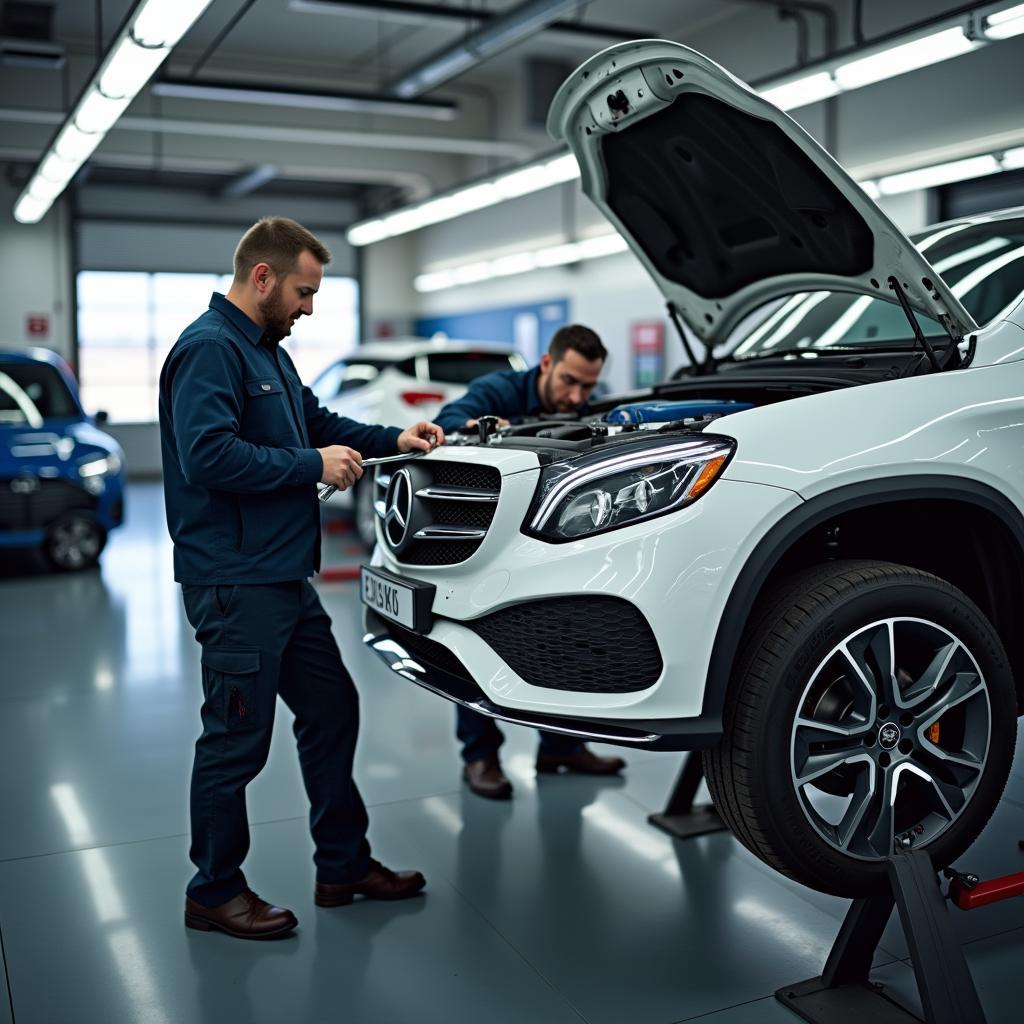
518 24
416 13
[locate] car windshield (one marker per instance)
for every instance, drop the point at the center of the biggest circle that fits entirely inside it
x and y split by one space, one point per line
983 264
38 384
463 367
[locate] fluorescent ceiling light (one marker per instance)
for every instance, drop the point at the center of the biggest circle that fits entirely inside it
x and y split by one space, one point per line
802 91
939 174
96 114
129 68
898 60
140 48
520 262
1013 159
1005 24
234 92
53 168
164 22
533 178
74 145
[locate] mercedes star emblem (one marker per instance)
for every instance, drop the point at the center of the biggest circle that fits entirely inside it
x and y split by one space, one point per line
398 508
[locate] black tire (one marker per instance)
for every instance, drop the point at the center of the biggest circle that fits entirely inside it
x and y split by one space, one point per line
363 513
801 699
74 543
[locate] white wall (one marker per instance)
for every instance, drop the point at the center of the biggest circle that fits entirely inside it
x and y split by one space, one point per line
35 277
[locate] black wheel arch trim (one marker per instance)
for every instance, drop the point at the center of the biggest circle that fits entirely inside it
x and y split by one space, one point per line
813 512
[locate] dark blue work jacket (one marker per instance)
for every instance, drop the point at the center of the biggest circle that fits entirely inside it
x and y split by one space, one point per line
238 434
510 394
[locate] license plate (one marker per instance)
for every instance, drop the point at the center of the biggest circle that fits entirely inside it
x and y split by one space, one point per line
399 600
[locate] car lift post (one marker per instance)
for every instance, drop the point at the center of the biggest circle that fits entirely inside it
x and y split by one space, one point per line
680 817
843 994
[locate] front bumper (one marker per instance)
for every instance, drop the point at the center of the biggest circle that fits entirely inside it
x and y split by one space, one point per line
677 570
392 645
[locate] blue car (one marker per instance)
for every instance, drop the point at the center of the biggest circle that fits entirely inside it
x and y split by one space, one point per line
61 477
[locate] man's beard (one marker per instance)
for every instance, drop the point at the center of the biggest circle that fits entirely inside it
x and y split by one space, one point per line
547 398
276 318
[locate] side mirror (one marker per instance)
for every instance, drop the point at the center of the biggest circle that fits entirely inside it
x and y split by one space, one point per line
102 416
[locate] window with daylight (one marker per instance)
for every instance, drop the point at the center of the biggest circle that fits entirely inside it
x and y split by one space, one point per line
127 323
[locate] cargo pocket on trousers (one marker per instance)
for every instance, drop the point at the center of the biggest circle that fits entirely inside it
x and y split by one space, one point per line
230 678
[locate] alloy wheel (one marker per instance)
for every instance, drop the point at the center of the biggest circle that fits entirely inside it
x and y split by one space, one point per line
891 737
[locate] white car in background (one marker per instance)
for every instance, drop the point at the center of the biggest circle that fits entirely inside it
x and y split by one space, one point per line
806 560
398 382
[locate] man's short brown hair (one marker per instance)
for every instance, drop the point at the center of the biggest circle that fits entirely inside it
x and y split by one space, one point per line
578 338
278 242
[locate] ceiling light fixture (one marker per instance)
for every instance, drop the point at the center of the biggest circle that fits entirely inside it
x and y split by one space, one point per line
149 34
941 40
521 262
1004 24
303 99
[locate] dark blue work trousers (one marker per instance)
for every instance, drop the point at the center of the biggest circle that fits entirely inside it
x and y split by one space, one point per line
259 641
481 738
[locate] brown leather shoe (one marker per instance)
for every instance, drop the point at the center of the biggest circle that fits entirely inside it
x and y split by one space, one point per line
485 778
244 917
380 883
584 761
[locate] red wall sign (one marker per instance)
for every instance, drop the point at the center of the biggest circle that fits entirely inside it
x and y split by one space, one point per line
37 325
647 344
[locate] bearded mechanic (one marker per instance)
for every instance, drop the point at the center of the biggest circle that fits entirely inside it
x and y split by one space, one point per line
562 383
244 444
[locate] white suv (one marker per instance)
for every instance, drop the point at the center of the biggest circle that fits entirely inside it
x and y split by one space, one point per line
805 558
398 382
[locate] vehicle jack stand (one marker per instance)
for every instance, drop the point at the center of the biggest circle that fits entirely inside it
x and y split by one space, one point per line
680 818
843 994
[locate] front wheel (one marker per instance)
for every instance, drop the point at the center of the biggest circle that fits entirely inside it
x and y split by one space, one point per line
872 709
74 542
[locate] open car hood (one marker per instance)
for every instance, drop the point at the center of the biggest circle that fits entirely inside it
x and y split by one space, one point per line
725 199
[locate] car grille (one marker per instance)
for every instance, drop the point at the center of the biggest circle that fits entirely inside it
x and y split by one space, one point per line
452 510
23 509
583 644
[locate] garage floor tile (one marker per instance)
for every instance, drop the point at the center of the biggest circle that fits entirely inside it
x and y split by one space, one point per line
97 936
573 877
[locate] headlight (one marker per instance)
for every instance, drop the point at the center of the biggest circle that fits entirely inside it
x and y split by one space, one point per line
102 466
605 490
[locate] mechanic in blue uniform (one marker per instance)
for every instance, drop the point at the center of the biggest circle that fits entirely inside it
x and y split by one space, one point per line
562 383
244 444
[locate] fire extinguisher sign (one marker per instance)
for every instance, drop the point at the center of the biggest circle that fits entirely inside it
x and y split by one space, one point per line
37 326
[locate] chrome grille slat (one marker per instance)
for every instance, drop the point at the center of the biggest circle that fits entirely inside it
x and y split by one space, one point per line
457 494
450 533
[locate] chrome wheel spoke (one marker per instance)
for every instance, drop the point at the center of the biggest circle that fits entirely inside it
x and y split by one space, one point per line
879 830
931 679
872 653
963 687
853 820
825 762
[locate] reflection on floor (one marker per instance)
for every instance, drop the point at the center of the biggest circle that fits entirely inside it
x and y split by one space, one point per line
562 906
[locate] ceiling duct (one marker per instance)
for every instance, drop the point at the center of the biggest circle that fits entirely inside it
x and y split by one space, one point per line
415 12
26 36
518 24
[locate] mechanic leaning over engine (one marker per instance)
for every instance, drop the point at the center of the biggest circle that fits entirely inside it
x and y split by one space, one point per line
562 383
244 444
